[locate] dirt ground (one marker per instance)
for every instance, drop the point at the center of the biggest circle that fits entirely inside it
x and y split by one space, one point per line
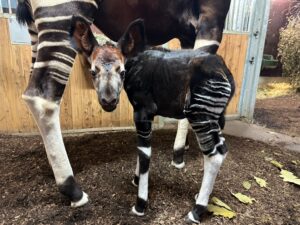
281 114
104 166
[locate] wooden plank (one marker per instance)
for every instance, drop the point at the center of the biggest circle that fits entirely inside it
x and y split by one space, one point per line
3 73
233 49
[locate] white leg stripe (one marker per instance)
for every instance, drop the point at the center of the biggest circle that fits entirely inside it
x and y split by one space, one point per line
146 151
137 168
52 31
55 44
63 56
182 131
54 64
202 43
59 80
48 3
143 186
52 19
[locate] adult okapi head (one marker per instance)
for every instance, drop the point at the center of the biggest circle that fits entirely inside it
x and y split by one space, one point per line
107 61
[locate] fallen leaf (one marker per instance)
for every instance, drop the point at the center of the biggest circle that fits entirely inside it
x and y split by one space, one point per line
261 182
289 177
243 198
246 185
268 158
218 202
296 162
277 164
220 211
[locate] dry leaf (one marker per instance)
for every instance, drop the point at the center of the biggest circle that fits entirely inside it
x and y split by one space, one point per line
268 159
220 211
218 202
277 164
246 185
243 198
261 182
289 177
296 162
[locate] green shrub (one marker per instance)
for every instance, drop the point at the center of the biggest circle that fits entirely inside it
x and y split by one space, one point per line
289 47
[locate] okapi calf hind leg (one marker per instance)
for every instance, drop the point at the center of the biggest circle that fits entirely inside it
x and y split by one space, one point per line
208 38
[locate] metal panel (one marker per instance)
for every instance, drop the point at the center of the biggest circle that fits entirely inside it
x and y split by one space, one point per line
239 16
18 33
258 30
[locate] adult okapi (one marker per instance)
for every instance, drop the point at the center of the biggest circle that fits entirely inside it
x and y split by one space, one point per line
193 22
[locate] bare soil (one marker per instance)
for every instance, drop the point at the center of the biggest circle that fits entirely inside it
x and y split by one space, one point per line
104 166
281 114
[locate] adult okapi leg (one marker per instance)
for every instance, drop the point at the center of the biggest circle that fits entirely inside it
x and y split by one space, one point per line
51 70
210 25
144 131
34 43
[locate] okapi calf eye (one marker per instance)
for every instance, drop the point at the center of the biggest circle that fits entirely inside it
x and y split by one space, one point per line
93 73
122 74
118 69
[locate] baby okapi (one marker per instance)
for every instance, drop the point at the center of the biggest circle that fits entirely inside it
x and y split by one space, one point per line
188 84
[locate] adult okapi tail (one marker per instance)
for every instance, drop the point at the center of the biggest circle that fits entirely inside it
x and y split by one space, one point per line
24 12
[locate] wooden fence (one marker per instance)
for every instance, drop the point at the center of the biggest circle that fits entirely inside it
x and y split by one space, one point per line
80 108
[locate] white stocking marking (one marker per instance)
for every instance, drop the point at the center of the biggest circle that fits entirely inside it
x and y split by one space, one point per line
143 182
182 131
137 168
211 168
46 115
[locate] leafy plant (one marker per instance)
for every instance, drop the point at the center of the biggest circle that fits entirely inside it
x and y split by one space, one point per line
289 45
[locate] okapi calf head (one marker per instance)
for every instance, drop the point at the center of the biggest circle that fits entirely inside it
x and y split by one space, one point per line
107 61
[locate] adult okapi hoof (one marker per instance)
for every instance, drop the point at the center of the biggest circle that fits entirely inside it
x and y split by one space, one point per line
178 166
135 212
81 202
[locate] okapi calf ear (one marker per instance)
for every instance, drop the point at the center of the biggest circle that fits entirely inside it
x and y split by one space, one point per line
82 37
133 40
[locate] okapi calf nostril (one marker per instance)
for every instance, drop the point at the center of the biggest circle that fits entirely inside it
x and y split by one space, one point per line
110 101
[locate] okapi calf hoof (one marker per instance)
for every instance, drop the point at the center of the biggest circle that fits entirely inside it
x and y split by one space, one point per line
135 181
195 215
178 165
134 212
178 161
139 208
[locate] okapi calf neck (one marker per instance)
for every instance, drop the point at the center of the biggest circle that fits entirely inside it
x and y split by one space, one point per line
177 84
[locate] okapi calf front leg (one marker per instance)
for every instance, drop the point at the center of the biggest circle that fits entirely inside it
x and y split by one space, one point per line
143 124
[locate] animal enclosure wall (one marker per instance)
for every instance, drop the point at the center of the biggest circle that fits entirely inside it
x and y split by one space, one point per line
80 108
